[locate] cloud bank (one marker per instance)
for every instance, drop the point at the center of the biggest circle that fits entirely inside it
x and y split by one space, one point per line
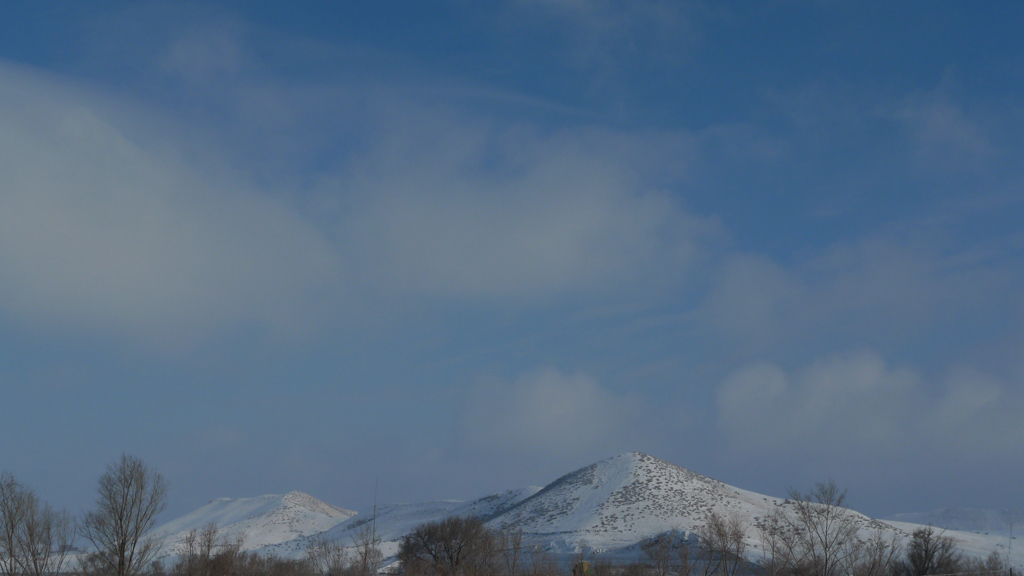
855 406
112 222
102 229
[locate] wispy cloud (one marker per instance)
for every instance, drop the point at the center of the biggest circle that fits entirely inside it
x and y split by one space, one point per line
857 407
114 218
112 229
547 412
613 36
455 208
880 289
945 137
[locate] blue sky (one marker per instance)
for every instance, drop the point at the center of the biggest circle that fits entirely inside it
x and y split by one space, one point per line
466 246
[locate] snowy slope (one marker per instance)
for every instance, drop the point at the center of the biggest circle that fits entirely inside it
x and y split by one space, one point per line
613 504
259 522
973 543
992 522
396 520
607 507
621 500
617 502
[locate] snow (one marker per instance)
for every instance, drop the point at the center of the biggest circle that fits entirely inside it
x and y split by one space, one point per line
997 522
260 522
607 507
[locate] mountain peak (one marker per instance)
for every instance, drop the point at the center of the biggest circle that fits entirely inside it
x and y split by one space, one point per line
307 502
260 521
636 458
608 506
621 498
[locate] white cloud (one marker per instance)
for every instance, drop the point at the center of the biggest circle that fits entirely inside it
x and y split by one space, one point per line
548 412
944 136
878 289
750 299
453 208
115 219
117 229
856 407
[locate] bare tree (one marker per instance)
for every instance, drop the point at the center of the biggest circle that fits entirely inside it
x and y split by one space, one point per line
736 545
541 564
660 551
824 530
816 535
252 564
13 510
773 530
332 558
454 546
708 546
45 540
686 561
229 553
510 546
877 555
200 552
328 557
721 544
34 538
130 495
993 565
929 552
206 553
368 556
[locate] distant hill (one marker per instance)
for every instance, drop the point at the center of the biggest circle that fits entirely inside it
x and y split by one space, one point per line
993 522
607 508
259 522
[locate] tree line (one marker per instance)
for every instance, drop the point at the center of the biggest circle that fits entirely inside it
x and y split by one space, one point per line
36 540
812 534
815 534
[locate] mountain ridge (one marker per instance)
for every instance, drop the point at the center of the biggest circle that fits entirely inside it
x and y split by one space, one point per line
606 507
256 522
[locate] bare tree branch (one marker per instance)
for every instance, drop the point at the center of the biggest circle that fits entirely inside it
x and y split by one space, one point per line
130 495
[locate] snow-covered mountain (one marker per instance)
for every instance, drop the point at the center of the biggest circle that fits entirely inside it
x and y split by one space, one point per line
259 522
615 503
396 520
624 499
606 507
